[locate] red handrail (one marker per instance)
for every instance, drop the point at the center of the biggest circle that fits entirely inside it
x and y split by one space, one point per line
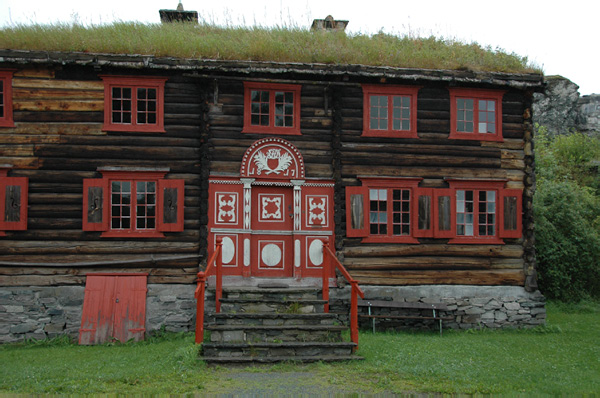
216 259
356 290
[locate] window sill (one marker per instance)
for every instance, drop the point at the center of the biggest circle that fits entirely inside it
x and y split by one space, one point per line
271 130
476 137
133 129
389 134
132 234
469 240
390 239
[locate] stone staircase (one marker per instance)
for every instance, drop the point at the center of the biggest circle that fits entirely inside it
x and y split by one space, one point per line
274 324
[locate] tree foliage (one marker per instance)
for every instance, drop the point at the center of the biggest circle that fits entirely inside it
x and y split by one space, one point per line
567 211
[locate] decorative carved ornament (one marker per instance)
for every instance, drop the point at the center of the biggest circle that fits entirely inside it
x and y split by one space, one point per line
272 158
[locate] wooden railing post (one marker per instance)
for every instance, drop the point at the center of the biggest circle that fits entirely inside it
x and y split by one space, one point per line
199 294
219 272
326 273
354 313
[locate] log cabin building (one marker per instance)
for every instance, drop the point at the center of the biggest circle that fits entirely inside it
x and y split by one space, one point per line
121 171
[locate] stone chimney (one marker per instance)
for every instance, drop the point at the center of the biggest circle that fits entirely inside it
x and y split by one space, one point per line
329 24
178 15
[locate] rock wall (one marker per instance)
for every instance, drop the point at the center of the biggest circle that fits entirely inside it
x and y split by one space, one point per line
469 306
562 110
47 312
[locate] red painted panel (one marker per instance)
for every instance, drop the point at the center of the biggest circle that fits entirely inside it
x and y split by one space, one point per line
114 307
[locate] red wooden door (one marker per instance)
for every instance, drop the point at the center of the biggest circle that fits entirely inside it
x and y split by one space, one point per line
272 251
114 307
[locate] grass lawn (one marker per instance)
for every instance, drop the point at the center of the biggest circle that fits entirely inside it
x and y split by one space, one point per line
561 358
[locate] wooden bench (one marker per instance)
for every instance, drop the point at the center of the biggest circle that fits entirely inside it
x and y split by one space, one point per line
434 307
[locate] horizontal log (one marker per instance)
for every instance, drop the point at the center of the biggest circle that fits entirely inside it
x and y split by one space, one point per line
89 260
62 94
348 148
21 162
45 105
61 280
51 271
117 152
493 251
431 262
76 234
59 84
388 159
17 150
17 247
58 117
19 139
35 72
425 172
518 164
472 277
56 128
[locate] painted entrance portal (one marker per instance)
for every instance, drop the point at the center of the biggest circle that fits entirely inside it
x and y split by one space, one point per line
272 219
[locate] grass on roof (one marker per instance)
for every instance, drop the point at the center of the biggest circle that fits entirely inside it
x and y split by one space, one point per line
280 44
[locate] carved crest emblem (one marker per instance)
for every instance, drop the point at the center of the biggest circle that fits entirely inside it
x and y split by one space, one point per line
274 162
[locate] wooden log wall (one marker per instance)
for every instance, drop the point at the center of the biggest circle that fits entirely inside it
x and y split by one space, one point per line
432 157
228 144
57 142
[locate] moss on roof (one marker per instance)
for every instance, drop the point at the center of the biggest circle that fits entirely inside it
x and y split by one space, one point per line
206 41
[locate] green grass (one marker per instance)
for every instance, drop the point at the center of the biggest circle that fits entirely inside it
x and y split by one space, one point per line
280 44
560 358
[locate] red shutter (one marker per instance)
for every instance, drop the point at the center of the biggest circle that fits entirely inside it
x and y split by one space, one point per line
511 213
357 211
14 203
422 213
95 204
171 197
444 213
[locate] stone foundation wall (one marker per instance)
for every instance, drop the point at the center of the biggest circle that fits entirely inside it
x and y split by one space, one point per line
47 312
469 306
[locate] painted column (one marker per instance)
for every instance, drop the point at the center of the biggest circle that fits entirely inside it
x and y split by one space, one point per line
246 224
297 227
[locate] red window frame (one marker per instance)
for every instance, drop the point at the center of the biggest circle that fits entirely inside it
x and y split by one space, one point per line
134 84
363 194
6 98
500 229
270 115
433 211
103 203
476 95
19 223
389 92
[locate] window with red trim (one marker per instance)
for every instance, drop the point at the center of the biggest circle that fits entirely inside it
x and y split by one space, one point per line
476 114
389 111
271 108
397 210
133 203
6 110
134 103
386 210
13 202
484 212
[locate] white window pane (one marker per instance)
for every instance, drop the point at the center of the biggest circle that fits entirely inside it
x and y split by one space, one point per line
469 230
383 194
373 194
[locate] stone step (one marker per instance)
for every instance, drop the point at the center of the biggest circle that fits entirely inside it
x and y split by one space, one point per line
245 361
274 334
273 319
274 305
288 349
258 293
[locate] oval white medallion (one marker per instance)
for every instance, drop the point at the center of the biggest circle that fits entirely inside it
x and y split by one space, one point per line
315 252
228 250
271 255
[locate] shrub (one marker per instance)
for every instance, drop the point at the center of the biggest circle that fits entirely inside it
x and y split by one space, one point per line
567 211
